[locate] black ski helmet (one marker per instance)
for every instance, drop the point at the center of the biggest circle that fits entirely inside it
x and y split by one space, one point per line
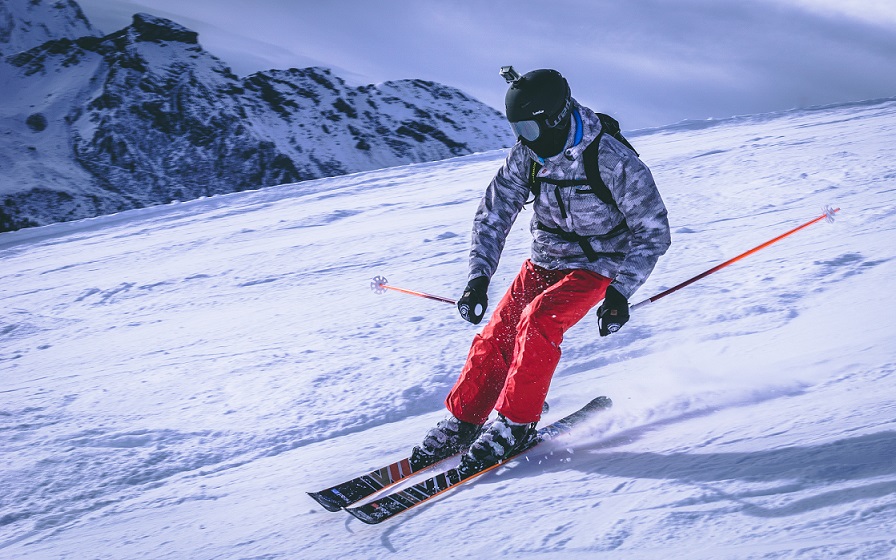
537 106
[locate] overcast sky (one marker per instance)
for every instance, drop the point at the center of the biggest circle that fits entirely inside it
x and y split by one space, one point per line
648 62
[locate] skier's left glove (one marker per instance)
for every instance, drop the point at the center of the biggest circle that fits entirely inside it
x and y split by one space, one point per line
612 313
473 303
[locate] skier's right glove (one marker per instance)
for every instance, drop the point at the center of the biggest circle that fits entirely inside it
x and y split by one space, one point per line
473 303
612 313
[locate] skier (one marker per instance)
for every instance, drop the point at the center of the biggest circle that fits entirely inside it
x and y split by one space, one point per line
587 246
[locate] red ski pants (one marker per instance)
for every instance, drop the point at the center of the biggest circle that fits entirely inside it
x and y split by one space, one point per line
512 360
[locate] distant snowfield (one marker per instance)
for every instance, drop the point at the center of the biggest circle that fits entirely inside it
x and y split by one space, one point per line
174 379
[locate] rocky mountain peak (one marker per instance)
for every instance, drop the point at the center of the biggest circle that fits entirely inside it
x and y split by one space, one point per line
155 29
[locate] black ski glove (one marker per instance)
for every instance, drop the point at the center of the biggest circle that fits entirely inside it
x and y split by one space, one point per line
473 303
612 313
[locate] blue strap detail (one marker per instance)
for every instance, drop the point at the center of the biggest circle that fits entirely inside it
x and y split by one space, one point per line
579 129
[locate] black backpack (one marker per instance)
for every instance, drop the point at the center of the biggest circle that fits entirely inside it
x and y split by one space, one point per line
608 125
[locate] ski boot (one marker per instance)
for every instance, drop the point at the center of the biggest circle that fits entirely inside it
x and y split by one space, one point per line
449 437
502 439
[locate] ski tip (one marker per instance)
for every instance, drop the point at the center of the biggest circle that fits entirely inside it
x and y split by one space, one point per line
601 402
327 504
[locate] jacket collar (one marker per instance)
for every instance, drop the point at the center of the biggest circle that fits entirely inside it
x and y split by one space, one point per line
586 129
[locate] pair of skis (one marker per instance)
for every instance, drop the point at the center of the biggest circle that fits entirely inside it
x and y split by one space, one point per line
343 495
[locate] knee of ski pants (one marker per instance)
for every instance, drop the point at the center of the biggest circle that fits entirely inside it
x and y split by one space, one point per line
537 329
543 316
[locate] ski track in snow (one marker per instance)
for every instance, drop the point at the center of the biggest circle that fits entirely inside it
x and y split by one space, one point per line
174 379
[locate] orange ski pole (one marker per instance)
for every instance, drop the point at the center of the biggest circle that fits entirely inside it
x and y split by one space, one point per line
380 285
828 214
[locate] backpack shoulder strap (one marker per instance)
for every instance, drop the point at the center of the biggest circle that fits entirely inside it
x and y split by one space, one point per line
592 172
608 125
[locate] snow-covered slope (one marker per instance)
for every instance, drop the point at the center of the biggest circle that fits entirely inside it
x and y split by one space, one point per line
174 379
145 116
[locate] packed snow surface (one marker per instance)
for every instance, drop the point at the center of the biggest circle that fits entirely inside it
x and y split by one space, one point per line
174 380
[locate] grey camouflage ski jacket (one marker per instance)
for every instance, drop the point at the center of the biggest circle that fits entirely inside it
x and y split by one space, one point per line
627 239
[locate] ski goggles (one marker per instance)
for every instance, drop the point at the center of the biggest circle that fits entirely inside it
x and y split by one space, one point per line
527 130
531 130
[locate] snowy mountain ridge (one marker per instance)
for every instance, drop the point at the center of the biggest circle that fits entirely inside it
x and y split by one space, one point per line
25 24
92 125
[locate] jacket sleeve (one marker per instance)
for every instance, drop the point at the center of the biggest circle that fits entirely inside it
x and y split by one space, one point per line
498 209
637 197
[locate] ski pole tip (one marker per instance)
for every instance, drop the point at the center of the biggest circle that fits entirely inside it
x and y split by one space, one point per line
378 284
829 212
